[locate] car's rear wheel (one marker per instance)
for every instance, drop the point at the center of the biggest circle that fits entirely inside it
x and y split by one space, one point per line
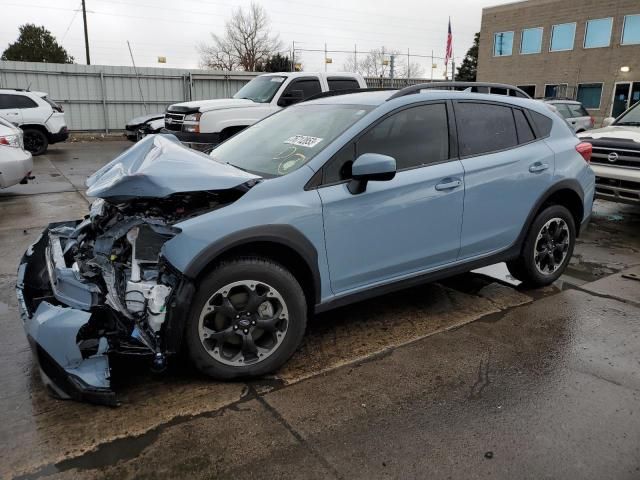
547 248
35 141
247 318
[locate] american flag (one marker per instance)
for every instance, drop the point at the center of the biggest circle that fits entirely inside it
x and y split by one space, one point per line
449 53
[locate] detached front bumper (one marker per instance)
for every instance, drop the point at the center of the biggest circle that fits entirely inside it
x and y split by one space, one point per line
56 308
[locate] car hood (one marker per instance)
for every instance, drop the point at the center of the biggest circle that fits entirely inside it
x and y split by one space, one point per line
159 166
144 119
626 132
217 104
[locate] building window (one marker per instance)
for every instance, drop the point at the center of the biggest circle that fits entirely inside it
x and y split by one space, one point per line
531 40
597 33
502 44
528 89
555 90
562 37
631 30
589 95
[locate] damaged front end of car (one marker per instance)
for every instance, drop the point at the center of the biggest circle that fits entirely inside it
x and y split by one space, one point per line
99 286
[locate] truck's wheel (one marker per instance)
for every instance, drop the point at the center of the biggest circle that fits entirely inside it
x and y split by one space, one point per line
547 248
247 318
35 141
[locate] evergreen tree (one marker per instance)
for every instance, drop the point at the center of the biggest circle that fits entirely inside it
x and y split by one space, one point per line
467 70
36 44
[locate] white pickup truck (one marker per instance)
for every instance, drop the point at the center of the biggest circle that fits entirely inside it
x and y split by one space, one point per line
202 124
616 157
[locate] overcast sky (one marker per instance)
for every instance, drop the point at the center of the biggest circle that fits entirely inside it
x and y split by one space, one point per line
173 29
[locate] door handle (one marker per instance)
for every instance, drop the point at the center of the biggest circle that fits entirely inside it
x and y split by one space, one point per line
448 184
538 167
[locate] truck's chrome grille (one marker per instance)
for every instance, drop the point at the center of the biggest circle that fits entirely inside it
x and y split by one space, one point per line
616 157
173 121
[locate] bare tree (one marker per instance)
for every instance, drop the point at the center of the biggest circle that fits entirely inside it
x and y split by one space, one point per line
377 63
247 42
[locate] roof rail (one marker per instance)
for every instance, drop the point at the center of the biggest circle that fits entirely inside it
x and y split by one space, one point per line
477 87
346 91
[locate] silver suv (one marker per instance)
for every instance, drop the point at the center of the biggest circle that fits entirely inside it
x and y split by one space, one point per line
574 113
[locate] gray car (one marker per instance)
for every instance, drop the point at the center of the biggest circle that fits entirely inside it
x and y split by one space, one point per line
574 113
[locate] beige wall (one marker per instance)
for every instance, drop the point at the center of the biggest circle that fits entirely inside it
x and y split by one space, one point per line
579 65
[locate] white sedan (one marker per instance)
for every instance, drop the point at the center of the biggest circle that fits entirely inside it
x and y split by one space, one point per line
16 163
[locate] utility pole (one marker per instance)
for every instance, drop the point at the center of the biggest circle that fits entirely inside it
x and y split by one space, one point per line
135 69
431 66
408 66
453 70
325 57
293 55
392 64
86 35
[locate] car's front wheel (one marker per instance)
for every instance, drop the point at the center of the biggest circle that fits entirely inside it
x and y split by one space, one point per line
547 248
247 318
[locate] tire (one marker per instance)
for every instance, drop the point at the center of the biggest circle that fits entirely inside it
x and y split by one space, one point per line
35 141
245 301
547 248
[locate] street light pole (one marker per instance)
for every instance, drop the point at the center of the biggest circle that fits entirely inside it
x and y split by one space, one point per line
86 35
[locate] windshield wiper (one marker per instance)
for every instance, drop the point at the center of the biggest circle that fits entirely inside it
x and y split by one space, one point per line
634 124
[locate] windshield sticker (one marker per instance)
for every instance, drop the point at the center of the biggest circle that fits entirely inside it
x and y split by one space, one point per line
303 141
277 79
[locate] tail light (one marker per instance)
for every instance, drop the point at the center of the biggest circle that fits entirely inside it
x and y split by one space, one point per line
585 149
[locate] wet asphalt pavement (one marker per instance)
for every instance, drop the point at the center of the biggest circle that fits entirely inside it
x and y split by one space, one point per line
473 377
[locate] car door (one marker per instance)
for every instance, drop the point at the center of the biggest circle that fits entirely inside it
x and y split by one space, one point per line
9 108
402 226
506 170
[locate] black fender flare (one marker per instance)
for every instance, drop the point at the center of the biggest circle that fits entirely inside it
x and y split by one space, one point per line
284 235
567 184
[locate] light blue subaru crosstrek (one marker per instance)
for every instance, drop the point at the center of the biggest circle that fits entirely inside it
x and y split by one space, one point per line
325 203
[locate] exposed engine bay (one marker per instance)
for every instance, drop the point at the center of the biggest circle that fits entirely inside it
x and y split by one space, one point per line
99 286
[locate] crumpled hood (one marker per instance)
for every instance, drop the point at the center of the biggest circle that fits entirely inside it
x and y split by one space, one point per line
613 131
145 118
159 166
217 104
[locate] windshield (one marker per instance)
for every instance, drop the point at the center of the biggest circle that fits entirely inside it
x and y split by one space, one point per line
632 117
260 89
287 140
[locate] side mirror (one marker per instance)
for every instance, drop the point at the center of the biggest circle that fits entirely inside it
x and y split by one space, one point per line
291 97
607 121
370 167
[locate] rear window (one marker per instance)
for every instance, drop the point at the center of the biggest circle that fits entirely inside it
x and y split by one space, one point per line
54 105
484 128
542 122
342 84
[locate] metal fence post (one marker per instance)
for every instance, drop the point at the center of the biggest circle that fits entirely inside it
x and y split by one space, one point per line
104 103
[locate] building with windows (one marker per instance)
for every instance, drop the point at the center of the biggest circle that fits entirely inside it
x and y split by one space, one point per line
587 50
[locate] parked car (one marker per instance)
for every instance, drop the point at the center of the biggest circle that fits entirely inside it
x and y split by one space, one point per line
41 119
616 157
139 127
202 124
574 113
325 203
15 163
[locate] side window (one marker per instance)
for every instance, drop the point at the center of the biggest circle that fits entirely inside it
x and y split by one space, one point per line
563 109
309 87
577 110
484 127
414 136
339 167
542 122
342 84
16 101
525 133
